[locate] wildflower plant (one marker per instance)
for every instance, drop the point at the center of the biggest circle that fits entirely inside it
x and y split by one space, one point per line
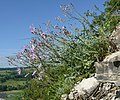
65 53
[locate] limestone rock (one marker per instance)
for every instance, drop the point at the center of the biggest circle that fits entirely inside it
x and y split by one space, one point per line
64 97
94 90
109 69
71 96
86 85
113 57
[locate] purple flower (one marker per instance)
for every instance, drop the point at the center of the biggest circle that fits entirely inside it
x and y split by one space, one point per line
67 8
41 75
34 73
19 71
32 29
64 28
26 74
40 44
48 23
33 48
56 26
59 19
40 65
32 55
43 35
32 52
25 47
19 55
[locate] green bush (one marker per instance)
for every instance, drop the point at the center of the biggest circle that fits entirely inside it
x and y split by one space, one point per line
61 56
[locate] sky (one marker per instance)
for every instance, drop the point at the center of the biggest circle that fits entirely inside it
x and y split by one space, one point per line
17 15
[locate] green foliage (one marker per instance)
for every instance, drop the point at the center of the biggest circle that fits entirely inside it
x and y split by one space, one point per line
110 17
112 6
58 80
52 86
14 95
10 80
67 55
12 86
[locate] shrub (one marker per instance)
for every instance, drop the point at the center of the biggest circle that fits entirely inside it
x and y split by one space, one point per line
61 56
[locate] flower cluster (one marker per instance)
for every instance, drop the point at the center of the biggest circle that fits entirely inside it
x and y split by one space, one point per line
43 49
32 29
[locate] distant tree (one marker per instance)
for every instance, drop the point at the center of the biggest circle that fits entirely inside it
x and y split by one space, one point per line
3 87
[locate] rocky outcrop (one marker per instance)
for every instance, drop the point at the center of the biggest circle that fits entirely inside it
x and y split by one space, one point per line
92 89
109 69
86 86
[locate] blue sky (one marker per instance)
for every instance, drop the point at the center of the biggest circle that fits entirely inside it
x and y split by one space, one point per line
17 15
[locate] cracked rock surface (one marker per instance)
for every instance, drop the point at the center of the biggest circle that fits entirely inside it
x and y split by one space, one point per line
91 89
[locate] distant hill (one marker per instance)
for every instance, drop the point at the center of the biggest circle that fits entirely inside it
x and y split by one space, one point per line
13 68
8 68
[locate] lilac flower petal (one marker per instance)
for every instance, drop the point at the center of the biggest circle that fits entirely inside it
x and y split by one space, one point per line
32 29
26 74
34 73
40 65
